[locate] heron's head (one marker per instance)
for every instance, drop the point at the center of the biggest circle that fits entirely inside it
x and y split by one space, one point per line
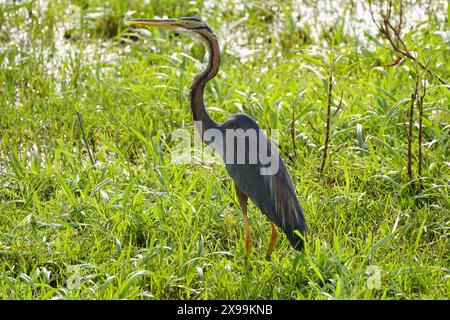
190 24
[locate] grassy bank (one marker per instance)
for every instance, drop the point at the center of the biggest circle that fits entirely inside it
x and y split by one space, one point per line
107 214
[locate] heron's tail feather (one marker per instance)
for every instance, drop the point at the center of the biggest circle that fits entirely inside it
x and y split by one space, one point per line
289 212
296 226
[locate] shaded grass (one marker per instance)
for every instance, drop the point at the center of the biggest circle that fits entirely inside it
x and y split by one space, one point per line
135 225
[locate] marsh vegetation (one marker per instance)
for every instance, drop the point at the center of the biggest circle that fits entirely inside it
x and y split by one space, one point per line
92 207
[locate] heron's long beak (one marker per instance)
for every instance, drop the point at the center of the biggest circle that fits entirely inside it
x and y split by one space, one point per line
162 23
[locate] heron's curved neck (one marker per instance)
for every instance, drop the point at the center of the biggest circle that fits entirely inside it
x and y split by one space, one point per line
198 110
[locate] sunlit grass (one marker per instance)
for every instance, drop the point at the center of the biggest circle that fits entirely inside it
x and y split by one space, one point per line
134 225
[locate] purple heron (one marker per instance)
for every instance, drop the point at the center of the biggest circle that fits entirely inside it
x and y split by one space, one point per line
272 193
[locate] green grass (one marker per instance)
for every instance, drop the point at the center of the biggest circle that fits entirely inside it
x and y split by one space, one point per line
134 225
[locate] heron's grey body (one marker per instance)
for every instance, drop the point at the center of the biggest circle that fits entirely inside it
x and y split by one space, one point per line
273 194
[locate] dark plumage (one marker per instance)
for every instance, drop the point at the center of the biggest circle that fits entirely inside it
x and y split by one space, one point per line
274 194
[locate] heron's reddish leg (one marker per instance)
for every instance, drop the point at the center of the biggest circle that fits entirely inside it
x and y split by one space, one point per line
273 240
242 197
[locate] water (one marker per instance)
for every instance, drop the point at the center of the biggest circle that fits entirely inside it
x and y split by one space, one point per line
314 17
